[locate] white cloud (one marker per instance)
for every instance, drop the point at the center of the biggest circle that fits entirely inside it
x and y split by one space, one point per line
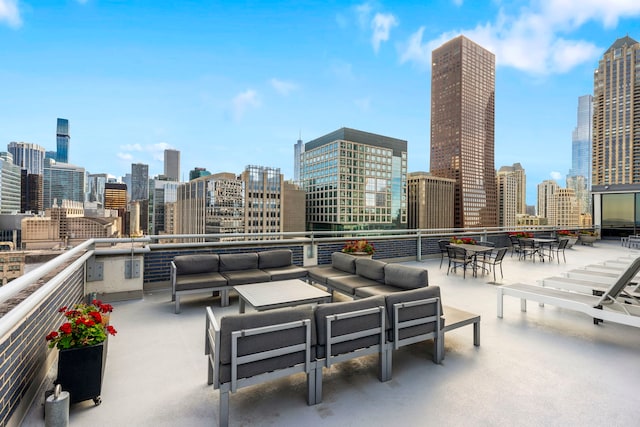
536 39
363 12
283 87
9 13
382 24
243 102
125 156
557 176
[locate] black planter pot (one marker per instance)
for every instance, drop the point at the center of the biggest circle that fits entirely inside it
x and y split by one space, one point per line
80 372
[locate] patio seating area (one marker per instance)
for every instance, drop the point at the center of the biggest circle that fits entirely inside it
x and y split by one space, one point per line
546 366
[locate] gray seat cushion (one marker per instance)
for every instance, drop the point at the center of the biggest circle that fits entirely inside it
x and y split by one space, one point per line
320 274
347 326
343 262
243 277
371 291
275 258
406 277
263 342
349 284
196 264
286 273
199 281
412 313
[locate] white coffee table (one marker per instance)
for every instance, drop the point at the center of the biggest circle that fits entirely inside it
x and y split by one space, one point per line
280 293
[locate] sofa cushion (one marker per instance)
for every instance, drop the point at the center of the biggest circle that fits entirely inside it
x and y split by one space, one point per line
243 261
372 291
405 277
286 273
199 281
349 284
411 313
321 274
370 269
347 326
196 264
275 258
243 277
343 262
263 342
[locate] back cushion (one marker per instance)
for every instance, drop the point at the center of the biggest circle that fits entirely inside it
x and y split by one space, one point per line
196 264
415 312
244 261
343 262
269 341
402 276
274 259
370 269
347 325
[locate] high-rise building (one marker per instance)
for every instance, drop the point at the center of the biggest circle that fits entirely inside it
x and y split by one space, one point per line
565 209
164 192
139 181
579 176
430 201
462 128
172 164
507 185
298 149
198 173
62 181
95 188
262 199
31 199
616 113
546 190
62 141
355 180
210 205
293 207
10 183
28 156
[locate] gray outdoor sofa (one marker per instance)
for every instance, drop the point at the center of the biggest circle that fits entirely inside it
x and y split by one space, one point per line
363 277
200 273
256 347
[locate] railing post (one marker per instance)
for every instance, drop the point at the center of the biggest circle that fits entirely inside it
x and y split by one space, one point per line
310 250
419 248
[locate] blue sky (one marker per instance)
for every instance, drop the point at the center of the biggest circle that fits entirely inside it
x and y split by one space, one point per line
234 83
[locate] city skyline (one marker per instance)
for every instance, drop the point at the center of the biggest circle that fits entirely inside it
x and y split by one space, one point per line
230 85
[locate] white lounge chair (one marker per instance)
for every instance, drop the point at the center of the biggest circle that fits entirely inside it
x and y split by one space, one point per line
606 307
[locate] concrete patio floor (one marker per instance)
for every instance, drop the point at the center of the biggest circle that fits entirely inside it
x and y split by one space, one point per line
545 367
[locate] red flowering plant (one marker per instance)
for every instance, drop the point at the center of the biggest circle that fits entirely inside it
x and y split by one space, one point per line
359 246
521 234
566 233
85 325
463 240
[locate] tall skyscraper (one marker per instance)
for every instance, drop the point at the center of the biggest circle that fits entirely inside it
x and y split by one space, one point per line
462 128
616 114
139 181
355 180
62 141
507 185
579 176
10 183
172 164
546 190
263 190
565 209
62 181
298 149
28 156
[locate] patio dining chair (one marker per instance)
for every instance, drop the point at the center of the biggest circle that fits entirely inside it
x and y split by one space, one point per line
442 244
458 257
560 247
528 247
515 245
493 259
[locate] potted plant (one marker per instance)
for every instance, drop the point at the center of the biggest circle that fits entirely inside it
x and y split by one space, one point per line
359 247
81 341
587 237
463 240
521 234
569 235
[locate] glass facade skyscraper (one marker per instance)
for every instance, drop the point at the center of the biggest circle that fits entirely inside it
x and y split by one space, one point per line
462 128
579 177
28 156
62 181
355 180
139 181
62 141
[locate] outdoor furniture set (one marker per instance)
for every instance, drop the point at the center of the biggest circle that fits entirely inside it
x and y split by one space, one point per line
392 307
200 273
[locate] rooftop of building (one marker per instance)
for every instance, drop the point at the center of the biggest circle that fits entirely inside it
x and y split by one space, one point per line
546 366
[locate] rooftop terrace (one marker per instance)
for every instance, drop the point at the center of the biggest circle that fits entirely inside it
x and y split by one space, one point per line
547 366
